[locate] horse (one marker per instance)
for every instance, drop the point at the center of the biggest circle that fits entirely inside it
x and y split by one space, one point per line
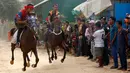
55 38
27 43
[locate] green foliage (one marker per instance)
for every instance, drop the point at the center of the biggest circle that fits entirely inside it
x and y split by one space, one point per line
8 8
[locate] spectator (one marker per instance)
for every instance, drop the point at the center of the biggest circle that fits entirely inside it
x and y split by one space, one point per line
88 43
127 22
122 40
106 29
99 43
75 39
92 29
65 26
113 41
68 33
84 50
68 28
79 37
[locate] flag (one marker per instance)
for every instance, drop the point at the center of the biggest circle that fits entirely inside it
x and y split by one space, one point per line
42 2
93 7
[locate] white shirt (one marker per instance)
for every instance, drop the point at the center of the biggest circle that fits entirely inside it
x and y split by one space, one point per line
98 38
68 28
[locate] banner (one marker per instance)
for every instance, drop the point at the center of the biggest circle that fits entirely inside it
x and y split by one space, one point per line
93 7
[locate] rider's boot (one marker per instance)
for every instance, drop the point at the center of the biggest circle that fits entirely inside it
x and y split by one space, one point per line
18 45
18 37
18 42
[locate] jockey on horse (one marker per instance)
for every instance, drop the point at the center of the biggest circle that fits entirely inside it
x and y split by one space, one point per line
53 15
21 20
28 38
54 36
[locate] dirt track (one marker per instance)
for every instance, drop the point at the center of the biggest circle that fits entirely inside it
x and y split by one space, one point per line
71 64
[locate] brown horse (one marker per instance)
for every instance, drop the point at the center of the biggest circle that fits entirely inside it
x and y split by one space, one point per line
27 44
55 38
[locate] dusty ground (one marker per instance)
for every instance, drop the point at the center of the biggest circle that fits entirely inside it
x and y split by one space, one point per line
71 64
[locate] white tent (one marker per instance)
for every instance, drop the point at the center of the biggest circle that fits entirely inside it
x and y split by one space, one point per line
93 6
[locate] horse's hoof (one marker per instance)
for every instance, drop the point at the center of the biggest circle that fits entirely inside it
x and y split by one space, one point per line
11 62
52 58
55 57
34 65
50 61
62 60
28 64
23 69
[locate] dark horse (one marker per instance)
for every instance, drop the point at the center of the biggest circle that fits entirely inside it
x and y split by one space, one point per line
27 44
54 39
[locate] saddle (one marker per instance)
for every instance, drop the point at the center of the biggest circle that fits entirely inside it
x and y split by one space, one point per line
14 38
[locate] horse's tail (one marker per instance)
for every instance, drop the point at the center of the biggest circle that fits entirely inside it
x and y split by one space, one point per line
12 31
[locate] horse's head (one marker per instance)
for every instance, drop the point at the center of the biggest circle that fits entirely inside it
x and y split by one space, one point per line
57 26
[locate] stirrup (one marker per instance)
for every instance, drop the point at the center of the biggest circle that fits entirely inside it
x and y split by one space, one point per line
17 45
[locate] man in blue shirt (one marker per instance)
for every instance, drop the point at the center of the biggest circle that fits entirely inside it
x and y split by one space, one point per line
113 41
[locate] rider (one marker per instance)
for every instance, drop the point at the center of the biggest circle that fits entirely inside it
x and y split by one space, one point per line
32 21
53 14
21 19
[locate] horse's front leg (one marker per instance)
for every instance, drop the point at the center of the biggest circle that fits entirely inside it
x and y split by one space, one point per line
36 56
28 64
52 55
25 63
55 54
63 46
48 53
12 50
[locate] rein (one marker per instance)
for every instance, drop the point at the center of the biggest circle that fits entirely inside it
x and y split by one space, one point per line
31 31
56 33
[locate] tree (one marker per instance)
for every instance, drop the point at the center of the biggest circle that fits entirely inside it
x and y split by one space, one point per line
9 8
